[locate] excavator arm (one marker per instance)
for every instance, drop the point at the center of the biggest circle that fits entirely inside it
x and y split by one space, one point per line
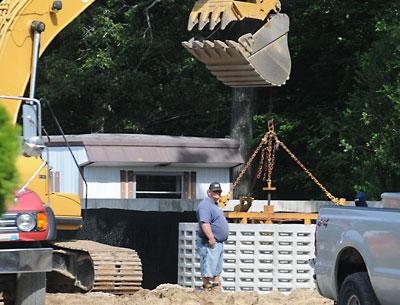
16 20
245 43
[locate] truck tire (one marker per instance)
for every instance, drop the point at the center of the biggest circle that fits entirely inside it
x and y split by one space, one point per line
357 290
30 289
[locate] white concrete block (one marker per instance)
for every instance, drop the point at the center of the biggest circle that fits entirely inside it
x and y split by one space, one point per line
257 257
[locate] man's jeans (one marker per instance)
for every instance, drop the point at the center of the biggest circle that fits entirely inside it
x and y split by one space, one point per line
211 259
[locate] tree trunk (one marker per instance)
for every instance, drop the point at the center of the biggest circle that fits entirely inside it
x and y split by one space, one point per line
243 107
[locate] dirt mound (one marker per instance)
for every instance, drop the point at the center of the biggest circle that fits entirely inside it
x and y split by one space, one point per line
167 294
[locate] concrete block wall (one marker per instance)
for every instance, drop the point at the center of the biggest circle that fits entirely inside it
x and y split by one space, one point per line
257 257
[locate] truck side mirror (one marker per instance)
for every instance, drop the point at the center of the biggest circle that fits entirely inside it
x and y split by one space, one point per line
33 146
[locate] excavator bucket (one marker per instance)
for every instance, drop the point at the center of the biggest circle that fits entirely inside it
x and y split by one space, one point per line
249 47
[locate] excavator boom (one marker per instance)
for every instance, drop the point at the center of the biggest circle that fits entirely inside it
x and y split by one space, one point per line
248 44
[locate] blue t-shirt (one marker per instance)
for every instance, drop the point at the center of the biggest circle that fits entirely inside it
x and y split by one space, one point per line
211 213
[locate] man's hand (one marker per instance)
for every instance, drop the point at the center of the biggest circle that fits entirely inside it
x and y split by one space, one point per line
212 242
206 227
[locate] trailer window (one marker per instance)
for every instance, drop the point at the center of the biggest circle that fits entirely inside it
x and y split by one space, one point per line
159 186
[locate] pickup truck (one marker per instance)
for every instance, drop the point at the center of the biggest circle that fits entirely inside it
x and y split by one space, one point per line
357 253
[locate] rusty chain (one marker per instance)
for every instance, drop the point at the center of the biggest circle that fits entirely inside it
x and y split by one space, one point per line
269 152
264 177
270 149
261 164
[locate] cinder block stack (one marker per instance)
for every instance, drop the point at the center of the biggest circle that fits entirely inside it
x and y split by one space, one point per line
257 257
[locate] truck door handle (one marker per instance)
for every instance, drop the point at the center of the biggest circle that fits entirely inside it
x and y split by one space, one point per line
323 222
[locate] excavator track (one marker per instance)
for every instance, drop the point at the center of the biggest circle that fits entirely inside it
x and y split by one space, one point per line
92 266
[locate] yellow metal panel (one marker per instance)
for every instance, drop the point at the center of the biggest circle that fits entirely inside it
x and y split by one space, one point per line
26 167
256 10
11 106
62 204
16 17
65 205
68 227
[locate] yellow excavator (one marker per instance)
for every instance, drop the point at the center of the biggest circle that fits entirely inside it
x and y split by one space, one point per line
26 28
247 46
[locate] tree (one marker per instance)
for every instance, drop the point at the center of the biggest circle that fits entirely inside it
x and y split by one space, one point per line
9 148
371 139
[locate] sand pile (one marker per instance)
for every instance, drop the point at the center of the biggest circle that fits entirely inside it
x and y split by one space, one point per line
173 294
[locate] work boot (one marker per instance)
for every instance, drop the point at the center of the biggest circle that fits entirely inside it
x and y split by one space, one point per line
207 287
216 286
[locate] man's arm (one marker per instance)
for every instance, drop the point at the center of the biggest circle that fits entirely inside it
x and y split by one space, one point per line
206 227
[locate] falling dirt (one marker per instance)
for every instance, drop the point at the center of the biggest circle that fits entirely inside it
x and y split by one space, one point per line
167 294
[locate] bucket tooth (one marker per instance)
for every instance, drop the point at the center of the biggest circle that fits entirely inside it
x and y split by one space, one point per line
203 51
197 44
204 19
208 44
220 44
188 46
227 17
213 12
215 19
193 20
210 49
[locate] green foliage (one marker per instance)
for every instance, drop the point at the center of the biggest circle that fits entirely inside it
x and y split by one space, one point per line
371 139
115 70
334 108
112 71
9 148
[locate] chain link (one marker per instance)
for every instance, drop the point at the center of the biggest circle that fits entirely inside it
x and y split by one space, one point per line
261 164
264 177
271 156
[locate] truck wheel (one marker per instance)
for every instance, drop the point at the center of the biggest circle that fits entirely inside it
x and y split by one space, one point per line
357 290
30 289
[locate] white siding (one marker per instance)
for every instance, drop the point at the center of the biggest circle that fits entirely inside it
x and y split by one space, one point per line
207 175
104 182
60 160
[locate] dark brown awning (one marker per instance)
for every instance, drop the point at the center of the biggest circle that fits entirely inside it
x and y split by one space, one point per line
155 149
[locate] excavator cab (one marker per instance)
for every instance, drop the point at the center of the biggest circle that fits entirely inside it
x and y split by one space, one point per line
242 43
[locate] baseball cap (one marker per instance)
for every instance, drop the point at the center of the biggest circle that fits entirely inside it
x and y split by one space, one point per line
215 187
360 197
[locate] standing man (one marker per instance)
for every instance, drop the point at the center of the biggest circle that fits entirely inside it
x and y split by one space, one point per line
360 200
213 231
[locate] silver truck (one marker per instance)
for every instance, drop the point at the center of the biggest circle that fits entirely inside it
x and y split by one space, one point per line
357 253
